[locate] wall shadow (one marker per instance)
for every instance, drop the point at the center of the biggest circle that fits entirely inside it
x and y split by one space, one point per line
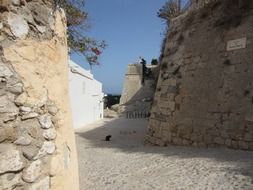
128 136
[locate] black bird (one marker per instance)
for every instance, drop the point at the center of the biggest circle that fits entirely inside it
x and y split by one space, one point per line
107 138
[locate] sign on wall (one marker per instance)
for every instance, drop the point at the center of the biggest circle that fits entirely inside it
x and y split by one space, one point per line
236 44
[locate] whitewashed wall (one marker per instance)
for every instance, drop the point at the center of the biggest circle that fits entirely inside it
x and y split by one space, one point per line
86 96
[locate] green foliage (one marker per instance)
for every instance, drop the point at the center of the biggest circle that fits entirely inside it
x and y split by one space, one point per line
154 62
77 24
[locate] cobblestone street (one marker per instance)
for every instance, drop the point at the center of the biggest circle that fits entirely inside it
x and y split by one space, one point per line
126 163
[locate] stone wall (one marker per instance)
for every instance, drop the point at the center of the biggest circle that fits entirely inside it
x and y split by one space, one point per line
37 149
204 95
137 96
132 83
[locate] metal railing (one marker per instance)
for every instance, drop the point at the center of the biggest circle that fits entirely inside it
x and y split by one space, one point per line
137 114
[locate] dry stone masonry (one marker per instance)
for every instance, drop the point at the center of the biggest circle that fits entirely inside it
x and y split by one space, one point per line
204 96
30 121
27 135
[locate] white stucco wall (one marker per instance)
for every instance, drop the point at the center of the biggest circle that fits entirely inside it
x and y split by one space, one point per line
86 96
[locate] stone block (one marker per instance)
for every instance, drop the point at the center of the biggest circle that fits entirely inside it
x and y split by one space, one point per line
178 99
171 97
29 116
173 128
48 147
18 25
248 137
30 152
41 29
3 135
11 161
219 140
194 137
52 109
228 142
10 181
166 136
195 144
11 133
25 109
32 127
224 134
172 89
202 145
157 132
5 71
160 142
21 99
7 106
42 184
249 118
234 144
45 121
185 131
164 125
243 145
250 146
171 105
15 2
151 139
208 139
16 88
177 141
170 82
49 134
186 142
32 172
24 140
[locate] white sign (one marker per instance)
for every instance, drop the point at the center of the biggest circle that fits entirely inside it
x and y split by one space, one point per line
236 44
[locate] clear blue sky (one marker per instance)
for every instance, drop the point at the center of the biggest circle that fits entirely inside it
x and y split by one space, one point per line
131 29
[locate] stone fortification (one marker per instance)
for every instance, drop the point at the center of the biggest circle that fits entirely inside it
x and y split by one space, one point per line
132 83
37 147
137 91
204 96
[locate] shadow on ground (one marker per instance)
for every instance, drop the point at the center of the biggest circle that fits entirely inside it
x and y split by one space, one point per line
128 136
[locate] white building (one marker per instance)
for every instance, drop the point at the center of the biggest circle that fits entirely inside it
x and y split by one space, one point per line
86 96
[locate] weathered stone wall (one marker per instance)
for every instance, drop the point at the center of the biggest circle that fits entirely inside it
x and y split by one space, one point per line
204 95
37 149
132 83
137 96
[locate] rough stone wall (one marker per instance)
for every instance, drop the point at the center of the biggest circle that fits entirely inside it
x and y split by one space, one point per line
204 96
137 97
37 149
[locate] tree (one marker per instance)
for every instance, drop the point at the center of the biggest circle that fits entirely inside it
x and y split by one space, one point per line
154 62
77 23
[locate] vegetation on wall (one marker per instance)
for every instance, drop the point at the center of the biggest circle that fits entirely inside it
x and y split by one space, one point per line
77 22
170 9
154 62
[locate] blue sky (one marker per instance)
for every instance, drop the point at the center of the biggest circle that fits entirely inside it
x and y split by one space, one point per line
131 29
